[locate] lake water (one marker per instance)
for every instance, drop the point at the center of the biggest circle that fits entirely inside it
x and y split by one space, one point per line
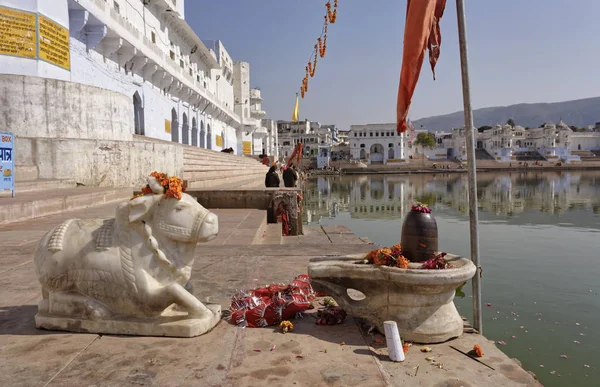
539 248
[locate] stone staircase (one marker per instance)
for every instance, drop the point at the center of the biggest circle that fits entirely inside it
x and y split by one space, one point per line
482 154
528 156
586 155
206 169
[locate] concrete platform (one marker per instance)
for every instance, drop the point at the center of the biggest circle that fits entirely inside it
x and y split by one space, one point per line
312 355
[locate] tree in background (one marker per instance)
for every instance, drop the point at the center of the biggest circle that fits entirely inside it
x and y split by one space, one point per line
482 129
425 140
511 122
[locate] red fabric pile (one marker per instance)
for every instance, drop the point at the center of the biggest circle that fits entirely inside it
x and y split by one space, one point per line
270 305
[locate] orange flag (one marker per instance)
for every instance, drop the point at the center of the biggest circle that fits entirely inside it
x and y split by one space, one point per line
421 32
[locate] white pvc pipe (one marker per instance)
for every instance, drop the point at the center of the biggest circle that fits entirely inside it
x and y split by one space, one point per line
392 338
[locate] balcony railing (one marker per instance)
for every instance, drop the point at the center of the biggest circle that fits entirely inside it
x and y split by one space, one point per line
153 52
124 23
255 113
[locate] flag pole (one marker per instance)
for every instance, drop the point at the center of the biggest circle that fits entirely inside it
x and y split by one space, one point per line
471 164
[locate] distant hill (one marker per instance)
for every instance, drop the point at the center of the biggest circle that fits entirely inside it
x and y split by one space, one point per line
579 113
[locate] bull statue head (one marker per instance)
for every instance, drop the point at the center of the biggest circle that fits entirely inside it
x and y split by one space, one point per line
182 220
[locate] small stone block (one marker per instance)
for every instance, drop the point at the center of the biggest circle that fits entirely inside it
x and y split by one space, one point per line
170 324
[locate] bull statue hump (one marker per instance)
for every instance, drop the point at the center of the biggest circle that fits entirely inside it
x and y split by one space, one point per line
127 275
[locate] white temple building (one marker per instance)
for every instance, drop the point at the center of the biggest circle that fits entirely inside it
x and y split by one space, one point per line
377 144
182 89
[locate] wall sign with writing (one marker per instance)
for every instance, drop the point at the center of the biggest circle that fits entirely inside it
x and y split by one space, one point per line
7 162
247 147
54 43
34 36
18 33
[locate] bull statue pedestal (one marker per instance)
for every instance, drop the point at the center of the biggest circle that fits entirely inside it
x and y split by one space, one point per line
127 275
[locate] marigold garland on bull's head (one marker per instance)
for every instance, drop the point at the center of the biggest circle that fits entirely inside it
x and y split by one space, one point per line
171 187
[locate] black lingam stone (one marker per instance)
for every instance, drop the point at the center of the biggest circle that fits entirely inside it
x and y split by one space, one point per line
419 235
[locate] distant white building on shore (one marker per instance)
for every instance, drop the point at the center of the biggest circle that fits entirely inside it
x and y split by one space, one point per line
314 137
504 143
377 144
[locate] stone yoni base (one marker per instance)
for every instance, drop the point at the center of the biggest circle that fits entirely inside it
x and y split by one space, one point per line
170 324
420 301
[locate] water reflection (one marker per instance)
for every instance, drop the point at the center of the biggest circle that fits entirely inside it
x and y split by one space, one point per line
501 195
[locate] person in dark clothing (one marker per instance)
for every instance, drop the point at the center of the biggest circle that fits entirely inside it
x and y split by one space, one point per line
290 177
272 178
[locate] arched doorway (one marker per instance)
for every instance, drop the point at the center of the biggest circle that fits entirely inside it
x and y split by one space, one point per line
518 144
185 130
174 126
479 144
202 135
390 153
138 114
578 146
208 137
363 154
194 132
376 154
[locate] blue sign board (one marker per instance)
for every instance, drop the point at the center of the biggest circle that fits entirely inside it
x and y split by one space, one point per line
7 162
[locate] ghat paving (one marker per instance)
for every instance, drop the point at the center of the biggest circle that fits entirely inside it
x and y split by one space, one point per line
246 254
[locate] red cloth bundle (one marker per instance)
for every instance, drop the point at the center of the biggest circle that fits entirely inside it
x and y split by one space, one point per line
272 304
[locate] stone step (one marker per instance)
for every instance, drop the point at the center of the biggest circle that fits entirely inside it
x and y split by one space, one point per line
219 174
239 227
228 159
39 185
43 185
32 205
237 182
223 170
272 235
209 161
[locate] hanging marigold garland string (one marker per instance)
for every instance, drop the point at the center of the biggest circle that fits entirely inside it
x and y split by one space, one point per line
332 15
320 49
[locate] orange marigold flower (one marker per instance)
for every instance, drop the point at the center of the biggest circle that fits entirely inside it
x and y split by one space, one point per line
402 262
405 348
175 188
385 251
286 326
380 259
477 350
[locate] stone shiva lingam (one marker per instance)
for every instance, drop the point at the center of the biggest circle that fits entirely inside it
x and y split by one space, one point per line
127 275
417 295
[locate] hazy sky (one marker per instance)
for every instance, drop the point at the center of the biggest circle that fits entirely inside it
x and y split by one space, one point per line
519 51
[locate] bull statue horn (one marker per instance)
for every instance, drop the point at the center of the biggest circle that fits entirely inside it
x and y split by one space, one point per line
155 185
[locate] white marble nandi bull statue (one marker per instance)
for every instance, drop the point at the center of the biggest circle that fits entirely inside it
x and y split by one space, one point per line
119 275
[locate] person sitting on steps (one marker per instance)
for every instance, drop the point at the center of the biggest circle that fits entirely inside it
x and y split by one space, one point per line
290 176
272 178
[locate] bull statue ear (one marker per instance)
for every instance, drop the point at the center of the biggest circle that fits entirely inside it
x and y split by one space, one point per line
140 207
